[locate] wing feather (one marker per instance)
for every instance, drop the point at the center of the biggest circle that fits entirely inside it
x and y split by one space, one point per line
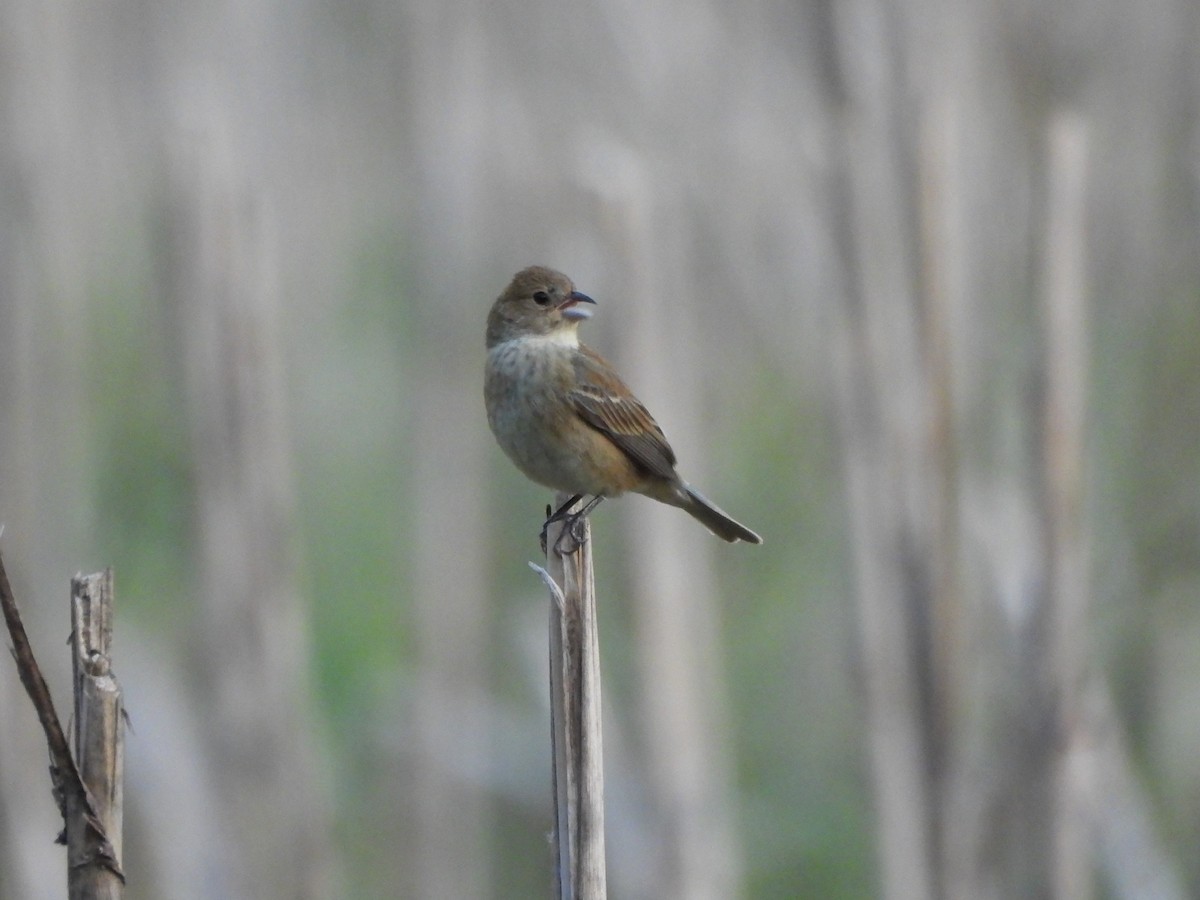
606 404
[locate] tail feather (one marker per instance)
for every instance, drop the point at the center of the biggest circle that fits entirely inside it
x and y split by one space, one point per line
714 519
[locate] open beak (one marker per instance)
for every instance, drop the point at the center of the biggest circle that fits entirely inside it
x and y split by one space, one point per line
572 311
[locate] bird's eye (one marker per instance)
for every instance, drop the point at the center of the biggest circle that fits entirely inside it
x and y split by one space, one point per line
541 298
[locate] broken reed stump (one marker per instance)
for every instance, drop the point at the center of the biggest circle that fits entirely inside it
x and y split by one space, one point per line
99 739
88 795
577 748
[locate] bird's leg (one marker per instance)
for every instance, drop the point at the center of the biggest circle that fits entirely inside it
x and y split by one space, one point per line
557 516
573 525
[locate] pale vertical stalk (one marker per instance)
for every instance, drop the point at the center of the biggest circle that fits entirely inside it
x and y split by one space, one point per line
944 283
575 715
1064 314
99 738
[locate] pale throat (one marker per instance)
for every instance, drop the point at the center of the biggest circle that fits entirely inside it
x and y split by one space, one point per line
561 337
509 359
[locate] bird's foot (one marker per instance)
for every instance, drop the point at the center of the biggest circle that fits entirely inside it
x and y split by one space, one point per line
572 535
559 515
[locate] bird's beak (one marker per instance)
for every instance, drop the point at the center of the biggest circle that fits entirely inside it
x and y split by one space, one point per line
571 310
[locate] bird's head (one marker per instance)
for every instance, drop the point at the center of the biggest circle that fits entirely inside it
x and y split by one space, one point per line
538 302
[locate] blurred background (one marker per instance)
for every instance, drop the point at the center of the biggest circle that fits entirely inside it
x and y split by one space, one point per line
913 288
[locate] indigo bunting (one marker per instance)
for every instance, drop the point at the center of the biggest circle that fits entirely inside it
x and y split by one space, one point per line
561 413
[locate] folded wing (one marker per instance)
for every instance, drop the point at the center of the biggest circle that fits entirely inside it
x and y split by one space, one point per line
605 403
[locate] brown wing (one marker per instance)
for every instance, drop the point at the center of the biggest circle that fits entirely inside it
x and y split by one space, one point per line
606 404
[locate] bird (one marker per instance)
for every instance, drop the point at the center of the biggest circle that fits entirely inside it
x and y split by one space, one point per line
561 413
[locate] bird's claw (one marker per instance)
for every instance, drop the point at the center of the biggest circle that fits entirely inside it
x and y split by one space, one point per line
572 535
577 529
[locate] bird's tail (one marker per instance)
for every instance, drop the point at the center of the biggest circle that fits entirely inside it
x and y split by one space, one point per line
714 519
